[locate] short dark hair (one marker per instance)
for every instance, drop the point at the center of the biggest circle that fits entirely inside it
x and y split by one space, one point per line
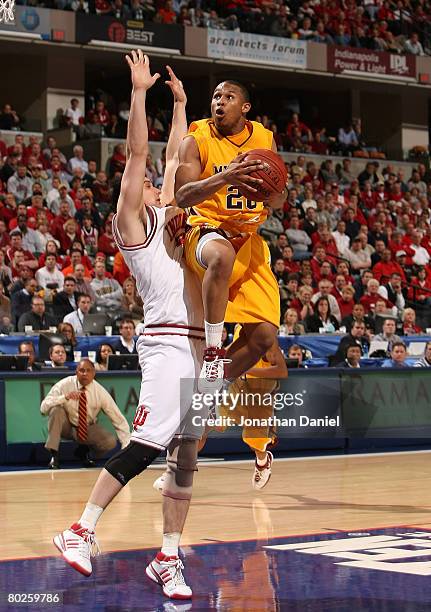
126 320
399 343
21 344
52 347
353 345
70 278
84 295
243 89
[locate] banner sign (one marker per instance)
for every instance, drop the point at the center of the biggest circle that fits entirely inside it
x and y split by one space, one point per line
30 20
269 50
387 403
133 32
347 59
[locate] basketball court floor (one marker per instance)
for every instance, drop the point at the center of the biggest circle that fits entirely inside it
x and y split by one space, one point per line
346 533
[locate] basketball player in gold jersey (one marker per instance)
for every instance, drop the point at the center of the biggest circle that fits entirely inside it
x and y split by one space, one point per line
255 391
222 245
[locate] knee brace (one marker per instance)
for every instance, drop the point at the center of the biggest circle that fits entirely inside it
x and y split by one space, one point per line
131 461
181 464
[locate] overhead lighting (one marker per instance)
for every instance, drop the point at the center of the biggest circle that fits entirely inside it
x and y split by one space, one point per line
125 46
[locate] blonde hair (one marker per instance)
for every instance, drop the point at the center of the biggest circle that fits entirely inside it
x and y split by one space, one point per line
408 310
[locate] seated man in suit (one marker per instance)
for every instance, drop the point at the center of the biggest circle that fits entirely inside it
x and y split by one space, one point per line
126 344
357 337
66 301
353 356
26 348
37 319
72 407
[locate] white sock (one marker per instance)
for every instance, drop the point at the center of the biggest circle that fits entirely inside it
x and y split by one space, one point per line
90 516
262 462
213 334
171 542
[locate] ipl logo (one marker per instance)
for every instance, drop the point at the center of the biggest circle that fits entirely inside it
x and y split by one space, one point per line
398 64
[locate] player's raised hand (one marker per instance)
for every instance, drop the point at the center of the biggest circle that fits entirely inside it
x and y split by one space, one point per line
239 170
139 65
176 86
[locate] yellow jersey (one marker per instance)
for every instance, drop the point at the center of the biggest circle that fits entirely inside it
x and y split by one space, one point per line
226 208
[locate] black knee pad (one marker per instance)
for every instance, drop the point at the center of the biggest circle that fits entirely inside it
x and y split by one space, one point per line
131 461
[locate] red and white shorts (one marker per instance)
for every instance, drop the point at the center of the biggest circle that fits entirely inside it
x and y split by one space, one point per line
170 367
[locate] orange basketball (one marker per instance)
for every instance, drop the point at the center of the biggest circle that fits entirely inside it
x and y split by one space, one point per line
274 175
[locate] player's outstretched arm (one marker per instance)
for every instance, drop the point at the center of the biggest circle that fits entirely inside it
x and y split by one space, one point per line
129 208
189 190
178 131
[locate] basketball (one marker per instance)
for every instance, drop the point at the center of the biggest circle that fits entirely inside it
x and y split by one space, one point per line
274 175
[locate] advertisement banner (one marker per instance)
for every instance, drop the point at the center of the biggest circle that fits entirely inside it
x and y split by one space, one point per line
30 20
133 32
23 397
257 48
349 60
387 403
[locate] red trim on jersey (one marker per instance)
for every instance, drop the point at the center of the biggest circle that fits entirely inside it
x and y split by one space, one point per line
134 247
175 325
174 334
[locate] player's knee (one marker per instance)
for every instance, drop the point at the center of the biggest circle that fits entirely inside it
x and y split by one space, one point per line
131 461
220 262
263 338
181 466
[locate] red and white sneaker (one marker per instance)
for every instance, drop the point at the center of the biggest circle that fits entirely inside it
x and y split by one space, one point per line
212 375
77 545
166 571
262 474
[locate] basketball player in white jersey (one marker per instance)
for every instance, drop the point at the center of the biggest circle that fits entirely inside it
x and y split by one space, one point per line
170 349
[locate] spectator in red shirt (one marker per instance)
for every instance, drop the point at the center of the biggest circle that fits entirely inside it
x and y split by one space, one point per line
347 301
59 221
316 261
368 300
339 283
100 113
68 233
290 265
409 323
4 236
302 303
76 258
295 123
324 238
120 271
385 267
420 287
106 242
167 13
16 245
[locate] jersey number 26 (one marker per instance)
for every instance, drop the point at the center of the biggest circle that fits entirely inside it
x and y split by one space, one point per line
235 201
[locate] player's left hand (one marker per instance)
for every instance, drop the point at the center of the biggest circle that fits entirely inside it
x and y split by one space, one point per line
140 68
176 86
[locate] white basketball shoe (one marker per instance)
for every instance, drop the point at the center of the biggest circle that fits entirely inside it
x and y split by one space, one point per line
77 545
167 572
262 474
212 373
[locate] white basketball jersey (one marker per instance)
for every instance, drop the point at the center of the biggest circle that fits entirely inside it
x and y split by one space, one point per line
170 292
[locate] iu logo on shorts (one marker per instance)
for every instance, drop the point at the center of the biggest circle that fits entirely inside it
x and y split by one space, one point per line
140 416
